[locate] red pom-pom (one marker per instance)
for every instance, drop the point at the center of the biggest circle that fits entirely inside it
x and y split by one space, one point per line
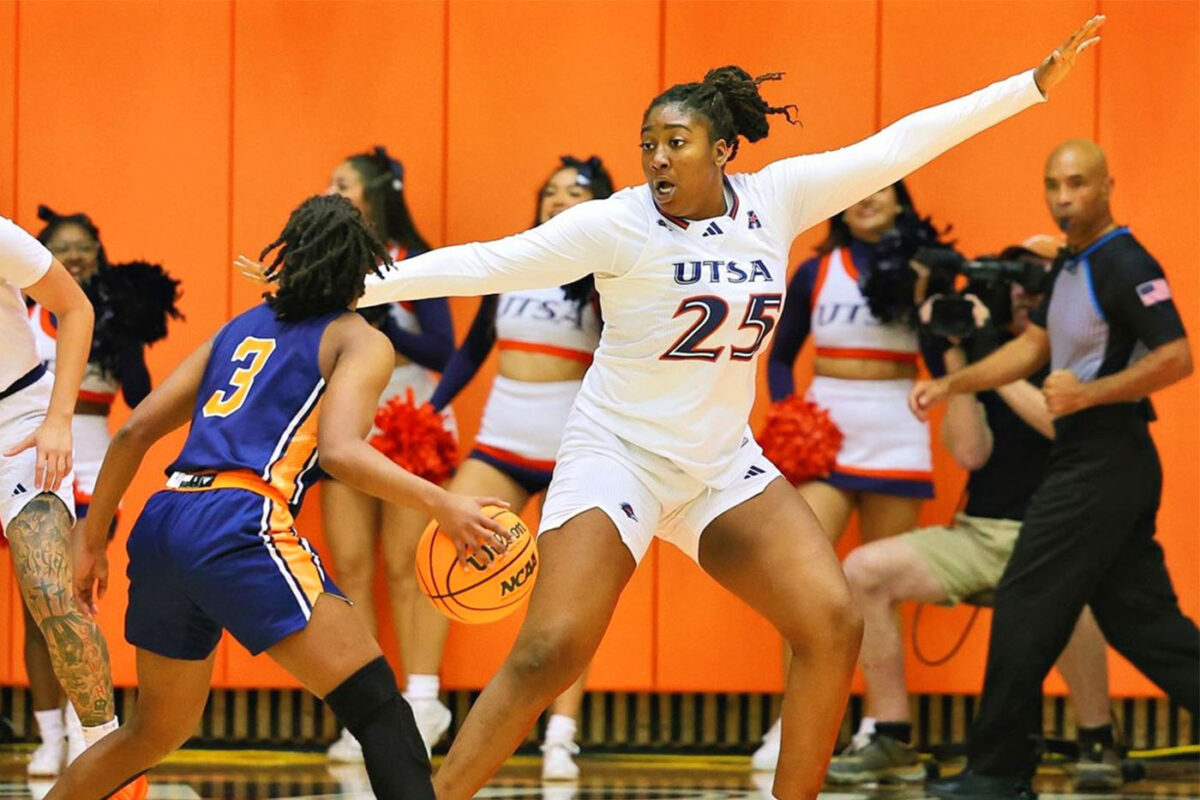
415 437
800 439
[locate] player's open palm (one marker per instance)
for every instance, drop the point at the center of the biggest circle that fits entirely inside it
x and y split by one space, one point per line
1056 65
464 521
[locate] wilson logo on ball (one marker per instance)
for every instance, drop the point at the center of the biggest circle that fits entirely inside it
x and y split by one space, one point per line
495 582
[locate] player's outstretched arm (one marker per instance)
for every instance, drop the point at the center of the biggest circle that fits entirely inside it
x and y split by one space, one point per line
815 187
166 408
58 293
358 361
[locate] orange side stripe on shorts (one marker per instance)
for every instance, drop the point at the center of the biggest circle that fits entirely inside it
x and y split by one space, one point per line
548 349
513 458
887 474
296 454
299 563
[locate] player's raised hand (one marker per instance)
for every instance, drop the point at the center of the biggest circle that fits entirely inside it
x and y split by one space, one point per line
1056 65
249 268
462 519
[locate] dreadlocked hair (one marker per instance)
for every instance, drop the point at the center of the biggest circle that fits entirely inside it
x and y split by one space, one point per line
728 98
321 259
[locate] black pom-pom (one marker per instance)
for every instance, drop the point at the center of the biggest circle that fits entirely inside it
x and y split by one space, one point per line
132 302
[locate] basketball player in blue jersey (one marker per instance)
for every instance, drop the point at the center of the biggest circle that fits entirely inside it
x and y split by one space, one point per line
282 392
691 272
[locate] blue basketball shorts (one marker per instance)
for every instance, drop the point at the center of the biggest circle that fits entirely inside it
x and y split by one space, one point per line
203 561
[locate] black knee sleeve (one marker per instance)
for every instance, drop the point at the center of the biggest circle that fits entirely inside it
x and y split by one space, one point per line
369 704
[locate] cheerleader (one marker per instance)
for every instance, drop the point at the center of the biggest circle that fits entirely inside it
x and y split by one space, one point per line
423 336
863 372
546 339
132 303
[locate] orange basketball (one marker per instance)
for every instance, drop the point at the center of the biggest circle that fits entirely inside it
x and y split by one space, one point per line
483 592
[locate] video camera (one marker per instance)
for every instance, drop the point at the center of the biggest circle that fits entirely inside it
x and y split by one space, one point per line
888 285
989 278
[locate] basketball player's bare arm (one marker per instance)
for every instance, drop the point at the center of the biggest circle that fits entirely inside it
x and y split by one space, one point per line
362 360
166 408
58 292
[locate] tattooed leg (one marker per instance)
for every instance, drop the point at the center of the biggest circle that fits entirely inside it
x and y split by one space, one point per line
40 539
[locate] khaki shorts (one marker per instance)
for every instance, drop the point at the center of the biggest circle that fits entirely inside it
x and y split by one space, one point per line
968 557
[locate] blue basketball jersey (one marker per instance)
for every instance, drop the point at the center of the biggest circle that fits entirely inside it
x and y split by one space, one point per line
259 402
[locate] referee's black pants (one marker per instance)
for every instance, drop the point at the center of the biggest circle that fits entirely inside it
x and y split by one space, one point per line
1087 539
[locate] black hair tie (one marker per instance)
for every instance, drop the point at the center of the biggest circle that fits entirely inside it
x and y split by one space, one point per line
393 165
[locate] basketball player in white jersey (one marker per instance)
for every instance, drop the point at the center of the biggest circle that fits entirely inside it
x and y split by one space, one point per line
37 504
690 268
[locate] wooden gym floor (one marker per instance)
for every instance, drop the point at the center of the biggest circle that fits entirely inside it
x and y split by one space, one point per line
246 774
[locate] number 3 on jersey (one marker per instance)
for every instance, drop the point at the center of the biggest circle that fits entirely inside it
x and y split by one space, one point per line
223 402
760 315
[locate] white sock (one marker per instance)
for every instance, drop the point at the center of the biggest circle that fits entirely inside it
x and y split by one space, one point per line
97 732
560 728
422 687
867 726
50 724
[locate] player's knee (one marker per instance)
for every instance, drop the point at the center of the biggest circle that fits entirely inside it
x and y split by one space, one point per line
550 658
831 624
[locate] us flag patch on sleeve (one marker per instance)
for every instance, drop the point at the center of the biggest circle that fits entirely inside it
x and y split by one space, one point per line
1154 291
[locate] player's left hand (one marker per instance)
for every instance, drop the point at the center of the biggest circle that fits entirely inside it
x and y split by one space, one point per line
1056 65
52 439
91 575
1064 393
249 268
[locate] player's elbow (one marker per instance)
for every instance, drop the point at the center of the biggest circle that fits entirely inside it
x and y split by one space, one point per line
337 457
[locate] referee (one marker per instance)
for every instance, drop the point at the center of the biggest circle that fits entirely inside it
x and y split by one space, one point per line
1112 336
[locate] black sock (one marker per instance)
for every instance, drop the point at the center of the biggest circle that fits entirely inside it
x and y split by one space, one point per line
370 706
1102 735
900 731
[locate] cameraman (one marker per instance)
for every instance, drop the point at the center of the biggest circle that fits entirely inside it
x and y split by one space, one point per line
1003 439
1112 335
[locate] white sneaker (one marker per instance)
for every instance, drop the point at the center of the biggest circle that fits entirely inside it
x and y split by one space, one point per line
433 720
766 757
558 763
346 750
47 760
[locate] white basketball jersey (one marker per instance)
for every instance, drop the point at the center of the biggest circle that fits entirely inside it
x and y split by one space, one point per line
546 321
23 262
690 305
842 323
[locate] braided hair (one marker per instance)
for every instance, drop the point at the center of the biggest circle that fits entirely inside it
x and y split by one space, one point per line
54 221
594 177
728 98
321 259
383 194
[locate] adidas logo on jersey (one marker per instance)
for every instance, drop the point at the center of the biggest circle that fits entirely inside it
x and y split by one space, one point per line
19 490
713 229
688 272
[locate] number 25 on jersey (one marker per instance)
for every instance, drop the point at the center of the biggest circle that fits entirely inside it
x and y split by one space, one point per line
224 402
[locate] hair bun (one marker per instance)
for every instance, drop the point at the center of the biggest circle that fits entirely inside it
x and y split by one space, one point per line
47 214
